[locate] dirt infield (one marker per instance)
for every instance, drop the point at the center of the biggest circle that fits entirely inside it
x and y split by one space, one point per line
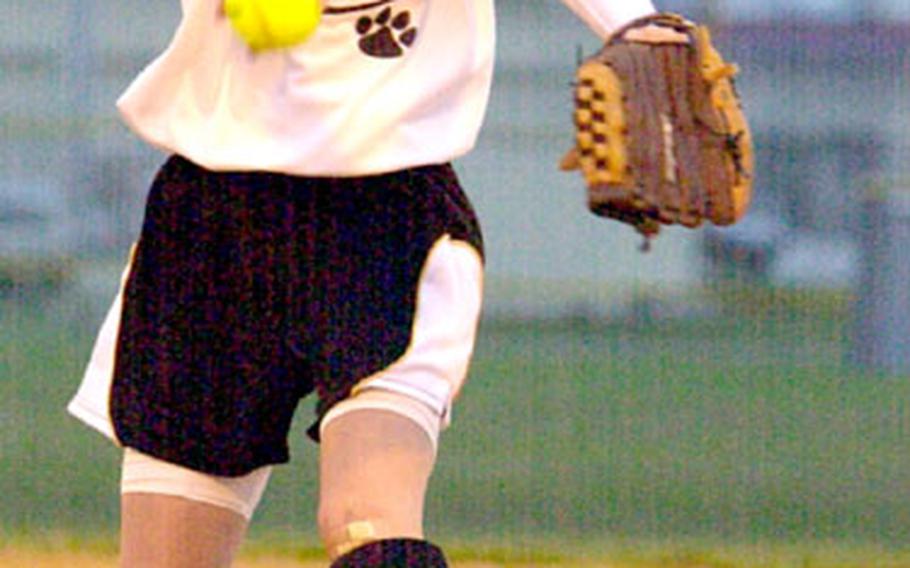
34 559
66 551
26 557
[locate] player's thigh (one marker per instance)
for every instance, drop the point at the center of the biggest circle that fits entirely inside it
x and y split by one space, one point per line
172 516
166 531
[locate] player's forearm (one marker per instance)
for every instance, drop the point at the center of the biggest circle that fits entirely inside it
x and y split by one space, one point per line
604 16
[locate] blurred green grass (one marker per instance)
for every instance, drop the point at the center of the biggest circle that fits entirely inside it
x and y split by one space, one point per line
748 426
742 426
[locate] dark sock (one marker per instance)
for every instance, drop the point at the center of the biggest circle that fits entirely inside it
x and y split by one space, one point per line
393 553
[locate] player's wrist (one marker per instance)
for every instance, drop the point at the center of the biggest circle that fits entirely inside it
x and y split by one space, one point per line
626 12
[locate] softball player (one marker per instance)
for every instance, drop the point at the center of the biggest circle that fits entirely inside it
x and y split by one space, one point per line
307 235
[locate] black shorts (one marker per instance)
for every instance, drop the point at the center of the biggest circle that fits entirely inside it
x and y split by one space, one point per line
249 291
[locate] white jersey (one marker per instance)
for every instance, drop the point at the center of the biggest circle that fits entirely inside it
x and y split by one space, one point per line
380 86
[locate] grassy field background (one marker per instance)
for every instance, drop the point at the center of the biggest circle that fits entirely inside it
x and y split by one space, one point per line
723 430
735 436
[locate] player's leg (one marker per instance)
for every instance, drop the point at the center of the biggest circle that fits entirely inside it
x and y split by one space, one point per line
174 517
417 291
374 469
189 365
375 465
162 531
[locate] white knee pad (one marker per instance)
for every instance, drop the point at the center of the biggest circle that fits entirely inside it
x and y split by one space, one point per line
145 474
429 420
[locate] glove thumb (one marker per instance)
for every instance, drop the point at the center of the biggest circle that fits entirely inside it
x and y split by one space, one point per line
570 161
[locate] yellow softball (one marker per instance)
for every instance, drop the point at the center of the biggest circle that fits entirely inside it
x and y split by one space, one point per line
273 24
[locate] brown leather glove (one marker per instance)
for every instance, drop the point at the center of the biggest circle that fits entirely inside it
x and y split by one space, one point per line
660 134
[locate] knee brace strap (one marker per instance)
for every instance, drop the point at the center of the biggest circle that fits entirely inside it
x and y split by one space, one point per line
355 535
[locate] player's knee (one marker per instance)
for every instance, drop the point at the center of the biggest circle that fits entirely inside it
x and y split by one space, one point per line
351 520
372 544
377 455
348 523
340 536
349 517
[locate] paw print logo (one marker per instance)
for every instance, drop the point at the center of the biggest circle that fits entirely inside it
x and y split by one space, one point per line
386 35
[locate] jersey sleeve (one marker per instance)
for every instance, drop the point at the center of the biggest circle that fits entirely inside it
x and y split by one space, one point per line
605 16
